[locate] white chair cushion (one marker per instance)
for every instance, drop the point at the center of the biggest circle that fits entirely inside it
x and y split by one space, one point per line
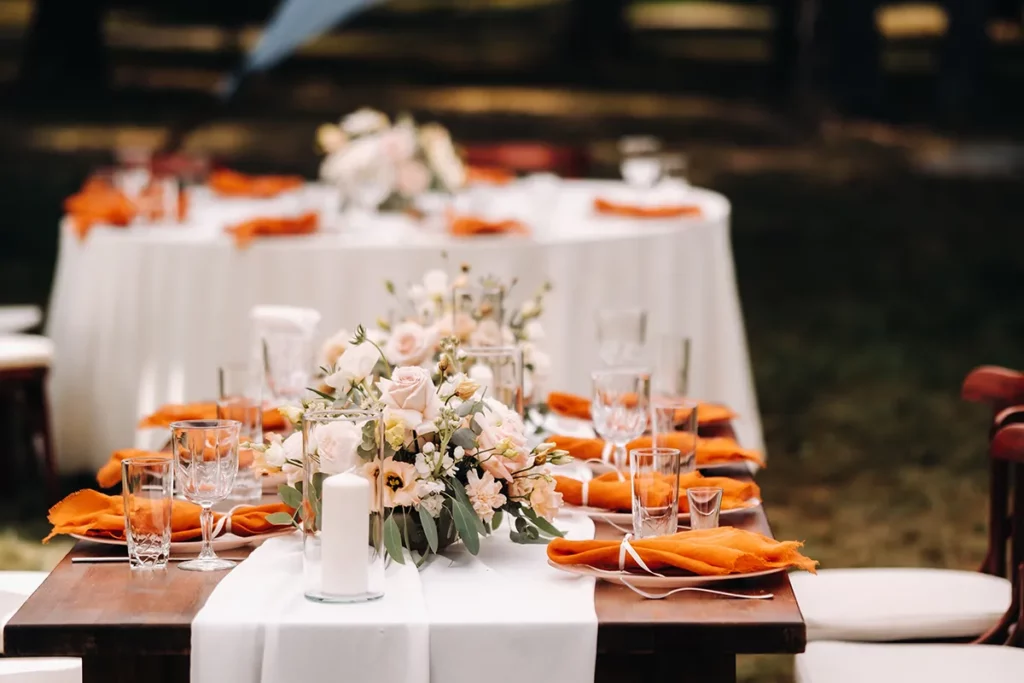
19 318
829 662
41 670
25 351
899 604
15 588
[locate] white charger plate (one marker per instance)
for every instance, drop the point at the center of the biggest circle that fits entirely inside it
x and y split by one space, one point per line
223 542
626 518
644 580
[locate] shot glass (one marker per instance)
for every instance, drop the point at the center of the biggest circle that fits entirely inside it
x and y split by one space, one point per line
674 425
654 473
147 489
705 506
240 399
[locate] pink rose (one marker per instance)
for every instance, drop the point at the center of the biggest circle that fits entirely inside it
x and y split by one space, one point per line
502 441
409 344
411 396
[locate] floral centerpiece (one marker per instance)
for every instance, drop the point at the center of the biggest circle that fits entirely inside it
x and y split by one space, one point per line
381 164
455 461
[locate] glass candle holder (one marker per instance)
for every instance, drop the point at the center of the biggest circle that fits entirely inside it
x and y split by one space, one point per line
654 475
481 308
342 505
283 350
499 372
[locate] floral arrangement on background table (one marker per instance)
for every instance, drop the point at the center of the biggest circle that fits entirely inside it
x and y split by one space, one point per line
455 461
377 163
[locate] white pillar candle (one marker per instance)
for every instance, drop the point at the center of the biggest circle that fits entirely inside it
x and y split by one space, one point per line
345 535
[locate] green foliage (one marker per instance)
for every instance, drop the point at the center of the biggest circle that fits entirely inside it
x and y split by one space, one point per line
393 540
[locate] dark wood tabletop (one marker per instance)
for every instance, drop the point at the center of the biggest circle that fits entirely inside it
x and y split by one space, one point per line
137 625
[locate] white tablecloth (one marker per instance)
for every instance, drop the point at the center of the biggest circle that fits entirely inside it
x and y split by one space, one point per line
504 616
143 316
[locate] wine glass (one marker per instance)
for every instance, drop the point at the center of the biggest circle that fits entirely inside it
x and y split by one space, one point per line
620 408
205 463
621 335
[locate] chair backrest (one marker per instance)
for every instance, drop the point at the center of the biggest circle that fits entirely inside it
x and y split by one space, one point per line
1007 447
1000 389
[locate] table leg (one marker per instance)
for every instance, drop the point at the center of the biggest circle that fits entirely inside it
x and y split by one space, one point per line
151 669
678 666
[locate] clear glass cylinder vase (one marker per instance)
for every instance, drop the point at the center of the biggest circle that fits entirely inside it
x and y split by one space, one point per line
343 554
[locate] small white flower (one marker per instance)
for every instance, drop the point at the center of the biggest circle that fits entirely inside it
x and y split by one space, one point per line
330 138
293 473
435 283
459 452
354 366
291 412
424 467
334 347
433 505
428 448
364 121
530 309
533 330
293 447
274 455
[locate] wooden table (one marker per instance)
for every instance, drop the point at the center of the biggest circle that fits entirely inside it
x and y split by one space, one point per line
137 626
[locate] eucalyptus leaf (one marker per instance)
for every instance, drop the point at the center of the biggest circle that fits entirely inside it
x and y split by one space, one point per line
523 539
467 408
543 524
465 438
463 497
393 540
321 394
290 496
429 528
280 518
522 525
496 520
464 517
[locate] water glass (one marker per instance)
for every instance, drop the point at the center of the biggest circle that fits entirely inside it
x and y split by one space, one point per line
620 408
147 486
654 473
675 166
621 335
499 372
672 366
284 349
240 399
705 505
484 301
641 163
676 416
206 462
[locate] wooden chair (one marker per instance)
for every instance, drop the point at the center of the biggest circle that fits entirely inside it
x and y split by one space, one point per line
890 604
530 157
24 364
838 662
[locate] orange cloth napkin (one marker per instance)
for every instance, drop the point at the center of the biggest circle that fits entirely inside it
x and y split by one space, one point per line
706 552
631 211
489 175
571 405
109 475
719 450
233 184
609 493
98 202
91 513
246 231
273 420
470 226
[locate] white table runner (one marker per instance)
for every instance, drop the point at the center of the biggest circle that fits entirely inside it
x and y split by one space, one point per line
502 616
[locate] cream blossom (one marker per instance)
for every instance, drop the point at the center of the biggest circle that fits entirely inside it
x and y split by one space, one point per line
487 333
330 137
484 493
435 283
291 412
399 143
364 121
354 366
530 309
433 505
274 455
441 155
410 344
399 483
462 326
533 330
544 499
410 395
334 347
337 444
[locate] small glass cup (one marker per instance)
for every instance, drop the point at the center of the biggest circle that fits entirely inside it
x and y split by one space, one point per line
621 335
499 372
206 461
672 417
240 399
147 487
654 473
620 408
705 505
672 366
641 162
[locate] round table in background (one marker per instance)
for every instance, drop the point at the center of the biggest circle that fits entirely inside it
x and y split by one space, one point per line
143 316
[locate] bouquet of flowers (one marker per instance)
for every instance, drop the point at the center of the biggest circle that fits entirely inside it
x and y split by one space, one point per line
455 461
381 164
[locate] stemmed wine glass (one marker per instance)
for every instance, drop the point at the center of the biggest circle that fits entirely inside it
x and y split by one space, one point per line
620 408
621 335
205 463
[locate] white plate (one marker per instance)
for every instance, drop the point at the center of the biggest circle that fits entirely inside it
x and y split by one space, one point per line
272 481
642 580
626 518
224 542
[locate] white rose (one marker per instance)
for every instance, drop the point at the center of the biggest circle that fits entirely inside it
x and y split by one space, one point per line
334 347
411 396
433 505
274 455
292 447
354 366
435 283
337 444
293 473
364 121
409 344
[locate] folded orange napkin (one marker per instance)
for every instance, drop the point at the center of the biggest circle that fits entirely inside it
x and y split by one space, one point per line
246 231
469 226
273 420
233 184
109 475
571 405
608 492
632 211
489 175
717 450
705 552
91 513
98 202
